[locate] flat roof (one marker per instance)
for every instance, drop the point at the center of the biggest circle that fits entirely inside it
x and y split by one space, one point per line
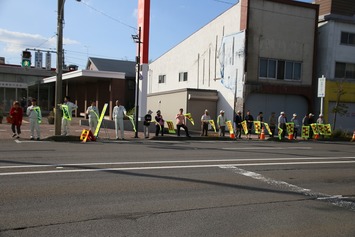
86 75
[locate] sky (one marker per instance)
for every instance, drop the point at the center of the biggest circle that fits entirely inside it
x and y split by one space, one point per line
100 28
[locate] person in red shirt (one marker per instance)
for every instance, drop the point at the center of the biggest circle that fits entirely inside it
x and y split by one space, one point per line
16 115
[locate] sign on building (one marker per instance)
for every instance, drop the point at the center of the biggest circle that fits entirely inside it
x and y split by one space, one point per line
38 59
48 61
321 87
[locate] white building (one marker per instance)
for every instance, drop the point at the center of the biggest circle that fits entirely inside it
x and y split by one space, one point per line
259 55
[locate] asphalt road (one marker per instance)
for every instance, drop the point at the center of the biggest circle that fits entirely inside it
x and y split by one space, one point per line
177 188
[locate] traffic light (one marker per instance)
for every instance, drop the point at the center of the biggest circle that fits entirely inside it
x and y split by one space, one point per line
26 59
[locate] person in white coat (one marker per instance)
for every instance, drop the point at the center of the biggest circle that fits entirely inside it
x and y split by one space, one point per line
35 116
93 114
119 112
221 123
67 107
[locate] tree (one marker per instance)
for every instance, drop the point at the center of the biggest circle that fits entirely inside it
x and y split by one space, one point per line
339 108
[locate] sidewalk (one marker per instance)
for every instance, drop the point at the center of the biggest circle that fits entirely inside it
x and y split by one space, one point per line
47 133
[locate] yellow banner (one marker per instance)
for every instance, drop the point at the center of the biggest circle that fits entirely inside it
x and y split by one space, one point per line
290 128
132 122
170 126
230 127
305 132
37 109
257 127
328 129
280 131
212 124
189 117
315 128
66 113
267 128
245 127
321 129
99 122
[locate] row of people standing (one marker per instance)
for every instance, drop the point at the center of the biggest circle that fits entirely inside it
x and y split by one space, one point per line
274 122
16 116
159 123
181 123
35 118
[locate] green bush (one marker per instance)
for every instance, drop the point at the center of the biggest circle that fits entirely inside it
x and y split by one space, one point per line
338 133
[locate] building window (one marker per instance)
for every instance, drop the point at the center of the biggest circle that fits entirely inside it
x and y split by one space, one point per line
347 38
344 70
279 69
162 78
182 76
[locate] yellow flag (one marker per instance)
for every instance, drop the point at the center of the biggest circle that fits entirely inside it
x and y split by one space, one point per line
315 128
244 125
267 128
132 122
189 117
66 113
305 132
290 127
230 127
328 129
170 126
37 109
212 124
257 127
99 122
321 129
280 130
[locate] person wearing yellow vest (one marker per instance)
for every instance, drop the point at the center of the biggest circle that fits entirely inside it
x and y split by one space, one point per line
35 116
93 114
67 107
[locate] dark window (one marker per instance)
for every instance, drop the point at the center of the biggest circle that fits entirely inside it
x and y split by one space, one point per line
347 38
183 76
162 78
344 70
279 69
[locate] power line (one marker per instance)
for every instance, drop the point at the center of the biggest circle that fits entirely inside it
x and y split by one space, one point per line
107 15
45 41
230 3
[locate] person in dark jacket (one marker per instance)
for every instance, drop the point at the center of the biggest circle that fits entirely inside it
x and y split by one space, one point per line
238 125
250 121
159 127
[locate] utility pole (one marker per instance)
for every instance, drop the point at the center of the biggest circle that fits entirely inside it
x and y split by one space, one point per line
137 40
59 70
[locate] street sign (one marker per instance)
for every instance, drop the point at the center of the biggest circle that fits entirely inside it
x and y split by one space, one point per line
321 86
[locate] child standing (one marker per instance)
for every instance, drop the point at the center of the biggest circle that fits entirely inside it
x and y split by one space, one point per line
16 115
35 116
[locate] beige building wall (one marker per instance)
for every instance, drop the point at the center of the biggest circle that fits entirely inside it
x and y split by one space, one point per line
267 20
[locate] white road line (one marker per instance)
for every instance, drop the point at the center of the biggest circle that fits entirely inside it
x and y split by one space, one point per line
337 200
174 162
30 141
266 148
170 167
